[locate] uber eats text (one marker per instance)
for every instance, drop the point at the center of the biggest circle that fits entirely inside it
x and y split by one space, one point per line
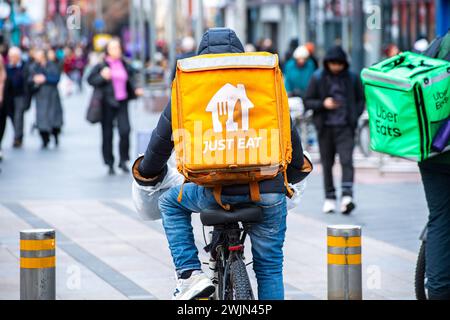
386 122
440 98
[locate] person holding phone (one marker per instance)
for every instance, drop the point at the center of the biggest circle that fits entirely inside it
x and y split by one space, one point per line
335 95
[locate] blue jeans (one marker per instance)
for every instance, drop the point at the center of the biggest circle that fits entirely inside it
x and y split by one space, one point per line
267 237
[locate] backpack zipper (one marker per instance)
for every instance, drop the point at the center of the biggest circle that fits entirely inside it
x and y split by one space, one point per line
420 119
425 118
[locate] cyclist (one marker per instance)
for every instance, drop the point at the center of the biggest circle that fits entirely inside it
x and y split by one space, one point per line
435 174
267 237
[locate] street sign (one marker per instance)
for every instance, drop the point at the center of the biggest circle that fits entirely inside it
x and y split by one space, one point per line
5 10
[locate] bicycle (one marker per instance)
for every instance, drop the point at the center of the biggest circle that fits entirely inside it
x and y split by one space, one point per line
302 120
420 278
226 248
363 135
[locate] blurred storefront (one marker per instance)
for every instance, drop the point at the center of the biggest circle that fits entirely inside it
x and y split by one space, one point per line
362 27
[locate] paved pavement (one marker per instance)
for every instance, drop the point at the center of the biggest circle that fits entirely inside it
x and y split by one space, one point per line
104 251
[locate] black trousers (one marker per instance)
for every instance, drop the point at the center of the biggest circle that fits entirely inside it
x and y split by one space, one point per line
340 140
437 252
16 113
4 114
110 116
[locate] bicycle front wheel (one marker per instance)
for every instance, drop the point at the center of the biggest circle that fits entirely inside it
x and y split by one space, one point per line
240 283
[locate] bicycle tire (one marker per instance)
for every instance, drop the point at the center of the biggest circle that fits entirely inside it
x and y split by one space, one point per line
419 281
240 282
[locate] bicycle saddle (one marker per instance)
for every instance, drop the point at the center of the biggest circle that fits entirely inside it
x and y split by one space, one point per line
245 213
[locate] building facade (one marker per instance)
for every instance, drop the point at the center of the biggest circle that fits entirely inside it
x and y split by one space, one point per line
362 27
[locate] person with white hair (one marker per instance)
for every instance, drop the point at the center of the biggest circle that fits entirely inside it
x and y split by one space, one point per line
16 86
298 71
188 45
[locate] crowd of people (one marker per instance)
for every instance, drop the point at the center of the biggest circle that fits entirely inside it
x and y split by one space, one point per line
33 75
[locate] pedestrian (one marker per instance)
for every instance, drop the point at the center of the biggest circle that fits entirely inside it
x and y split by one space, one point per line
16 87
312 49
298 71
336 97
187 50
44 77
391 50
28 62
3 112
52 57
80 63
435 173
68 64
421 44
293 44
266 44
114 78
249 47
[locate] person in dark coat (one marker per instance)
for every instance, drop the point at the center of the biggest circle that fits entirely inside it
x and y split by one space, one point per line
16 87
114 77
44 77
267 237
335 95
435 173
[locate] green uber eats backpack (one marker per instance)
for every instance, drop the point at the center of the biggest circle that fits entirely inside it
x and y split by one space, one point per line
407 98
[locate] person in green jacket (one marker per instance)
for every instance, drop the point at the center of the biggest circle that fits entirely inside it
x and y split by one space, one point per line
435 174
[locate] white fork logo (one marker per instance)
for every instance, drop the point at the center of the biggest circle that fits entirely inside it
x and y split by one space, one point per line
224 103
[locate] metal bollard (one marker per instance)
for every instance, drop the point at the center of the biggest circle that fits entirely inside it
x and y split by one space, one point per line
37 264
344 262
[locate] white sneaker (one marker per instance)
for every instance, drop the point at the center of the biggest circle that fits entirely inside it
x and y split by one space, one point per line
347 204
329 206
198 285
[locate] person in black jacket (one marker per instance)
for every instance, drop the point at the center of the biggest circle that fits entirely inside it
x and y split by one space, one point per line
267 237
17 88
335 95
435 173
113 77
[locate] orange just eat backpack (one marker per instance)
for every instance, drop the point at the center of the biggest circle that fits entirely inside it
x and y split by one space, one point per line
230 121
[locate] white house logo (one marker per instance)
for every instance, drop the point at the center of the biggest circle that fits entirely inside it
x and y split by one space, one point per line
224 103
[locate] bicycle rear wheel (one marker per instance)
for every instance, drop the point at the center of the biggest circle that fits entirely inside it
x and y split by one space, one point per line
420 277
364 140
240 283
